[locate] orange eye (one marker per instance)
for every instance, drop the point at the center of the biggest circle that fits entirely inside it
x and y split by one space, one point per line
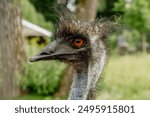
78 42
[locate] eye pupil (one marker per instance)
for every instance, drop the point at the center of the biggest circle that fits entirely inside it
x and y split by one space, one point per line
78 42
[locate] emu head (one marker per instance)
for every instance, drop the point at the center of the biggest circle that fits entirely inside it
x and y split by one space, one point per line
82 45
75 41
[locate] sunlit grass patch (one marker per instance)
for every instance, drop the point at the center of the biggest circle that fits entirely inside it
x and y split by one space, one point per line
127 77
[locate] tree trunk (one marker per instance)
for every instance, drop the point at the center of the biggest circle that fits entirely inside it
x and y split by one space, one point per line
86 11
11 49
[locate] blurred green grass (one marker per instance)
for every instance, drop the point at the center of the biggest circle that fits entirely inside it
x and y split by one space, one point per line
126 77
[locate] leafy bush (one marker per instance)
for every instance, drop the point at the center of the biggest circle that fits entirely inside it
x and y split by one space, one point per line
43 77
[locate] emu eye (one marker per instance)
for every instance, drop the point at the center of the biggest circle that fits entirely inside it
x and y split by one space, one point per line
78 42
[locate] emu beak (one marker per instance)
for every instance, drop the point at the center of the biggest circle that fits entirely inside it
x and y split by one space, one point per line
51 53
47 53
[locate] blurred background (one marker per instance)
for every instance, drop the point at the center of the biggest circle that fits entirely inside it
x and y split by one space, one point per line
27 25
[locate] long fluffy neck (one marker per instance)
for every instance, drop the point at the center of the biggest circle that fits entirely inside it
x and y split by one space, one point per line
86 77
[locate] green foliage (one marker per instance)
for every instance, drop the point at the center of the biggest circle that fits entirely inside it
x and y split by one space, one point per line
127 77
34 97
136 14
132 37
42 78
29 13
105 9
46 7
112 42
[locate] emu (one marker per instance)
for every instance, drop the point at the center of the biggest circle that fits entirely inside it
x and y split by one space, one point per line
82 45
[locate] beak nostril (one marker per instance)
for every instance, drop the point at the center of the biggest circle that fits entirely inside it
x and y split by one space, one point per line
51 52
47 51
44 53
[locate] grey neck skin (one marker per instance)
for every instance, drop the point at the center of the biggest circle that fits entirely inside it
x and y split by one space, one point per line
79 85
87 75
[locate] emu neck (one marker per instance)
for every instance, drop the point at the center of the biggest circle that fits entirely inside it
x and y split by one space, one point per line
80 81
87 75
